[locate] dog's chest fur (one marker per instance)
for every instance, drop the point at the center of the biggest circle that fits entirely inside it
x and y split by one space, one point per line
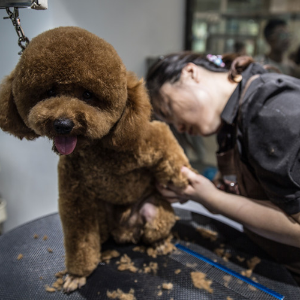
108 175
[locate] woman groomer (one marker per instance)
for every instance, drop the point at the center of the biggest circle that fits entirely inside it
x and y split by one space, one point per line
256 115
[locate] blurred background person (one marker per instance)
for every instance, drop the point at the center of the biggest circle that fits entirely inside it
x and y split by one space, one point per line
278 37
239 48
295 56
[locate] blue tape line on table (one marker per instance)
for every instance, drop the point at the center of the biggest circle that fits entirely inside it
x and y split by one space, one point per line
229 271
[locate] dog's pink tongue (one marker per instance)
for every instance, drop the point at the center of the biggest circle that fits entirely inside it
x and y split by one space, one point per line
65 144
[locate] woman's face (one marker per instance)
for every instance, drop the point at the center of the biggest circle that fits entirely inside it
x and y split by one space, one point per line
188 105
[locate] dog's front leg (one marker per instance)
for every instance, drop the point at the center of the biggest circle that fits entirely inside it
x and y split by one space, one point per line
81 239
170 157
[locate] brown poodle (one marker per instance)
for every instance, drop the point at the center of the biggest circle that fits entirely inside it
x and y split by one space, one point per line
72 87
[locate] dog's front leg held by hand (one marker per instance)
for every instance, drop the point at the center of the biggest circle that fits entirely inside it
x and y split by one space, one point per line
172 158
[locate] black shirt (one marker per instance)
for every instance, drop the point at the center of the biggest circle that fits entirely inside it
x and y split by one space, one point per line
268 135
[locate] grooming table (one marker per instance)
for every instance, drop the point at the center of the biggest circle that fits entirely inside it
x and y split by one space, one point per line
42 257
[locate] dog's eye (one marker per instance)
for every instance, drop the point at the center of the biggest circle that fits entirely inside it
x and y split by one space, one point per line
51 93
87 95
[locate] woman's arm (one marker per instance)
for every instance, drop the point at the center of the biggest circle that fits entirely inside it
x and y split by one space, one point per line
261 217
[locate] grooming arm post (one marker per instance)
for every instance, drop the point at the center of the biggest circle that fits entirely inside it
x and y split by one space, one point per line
23 41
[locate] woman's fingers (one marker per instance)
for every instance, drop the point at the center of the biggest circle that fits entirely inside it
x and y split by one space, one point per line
175 200
175 194
166 192
199 189
171 195
183 201
191 176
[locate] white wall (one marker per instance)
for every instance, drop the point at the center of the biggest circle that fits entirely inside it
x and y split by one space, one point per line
136 28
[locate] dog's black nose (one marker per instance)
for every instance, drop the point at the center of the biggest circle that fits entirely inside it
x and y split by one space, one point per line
63 126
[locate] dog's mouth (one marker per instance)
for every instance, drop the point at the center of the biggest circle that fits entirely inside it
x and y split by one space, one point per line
65 144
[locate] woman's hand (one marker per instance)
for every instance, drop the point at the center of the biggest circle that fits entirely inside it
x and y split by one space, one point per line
200 189
260 216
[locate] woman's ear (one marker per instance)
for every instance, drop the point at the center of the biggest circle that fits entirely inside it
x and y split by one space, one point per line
10 119
136 114
190 71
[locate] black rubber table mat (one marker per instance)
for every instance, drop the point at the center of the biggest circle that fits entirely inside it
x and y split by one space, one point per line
26 278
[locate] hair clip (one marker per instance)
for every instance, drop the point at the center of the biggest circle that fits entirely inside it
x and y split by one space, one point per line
216 59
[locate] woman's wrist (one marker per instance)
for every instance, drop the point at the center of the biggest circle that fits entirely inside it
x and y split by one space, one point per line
212 200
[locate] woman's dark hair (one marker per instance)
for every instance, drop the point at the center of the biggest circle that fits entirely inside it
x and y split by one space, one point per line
168 68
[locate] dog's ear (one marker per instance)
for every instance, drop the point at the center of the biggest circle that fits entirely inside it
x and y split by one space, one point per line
136 115
10 119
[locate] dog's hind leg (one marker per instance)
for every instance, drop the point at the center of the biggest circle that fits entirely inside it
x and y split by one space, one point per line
125 223
149 220
159 218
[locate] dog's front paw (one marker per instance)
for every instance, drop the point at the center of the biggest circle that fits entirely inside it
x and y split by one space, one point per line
73 283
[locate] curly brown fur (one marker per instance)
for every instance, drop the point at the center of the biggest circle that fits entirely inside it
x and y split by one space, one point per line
72 87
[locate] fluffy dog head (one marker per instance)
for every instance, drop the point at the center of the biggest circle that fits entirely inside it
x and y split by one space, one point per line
72 87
